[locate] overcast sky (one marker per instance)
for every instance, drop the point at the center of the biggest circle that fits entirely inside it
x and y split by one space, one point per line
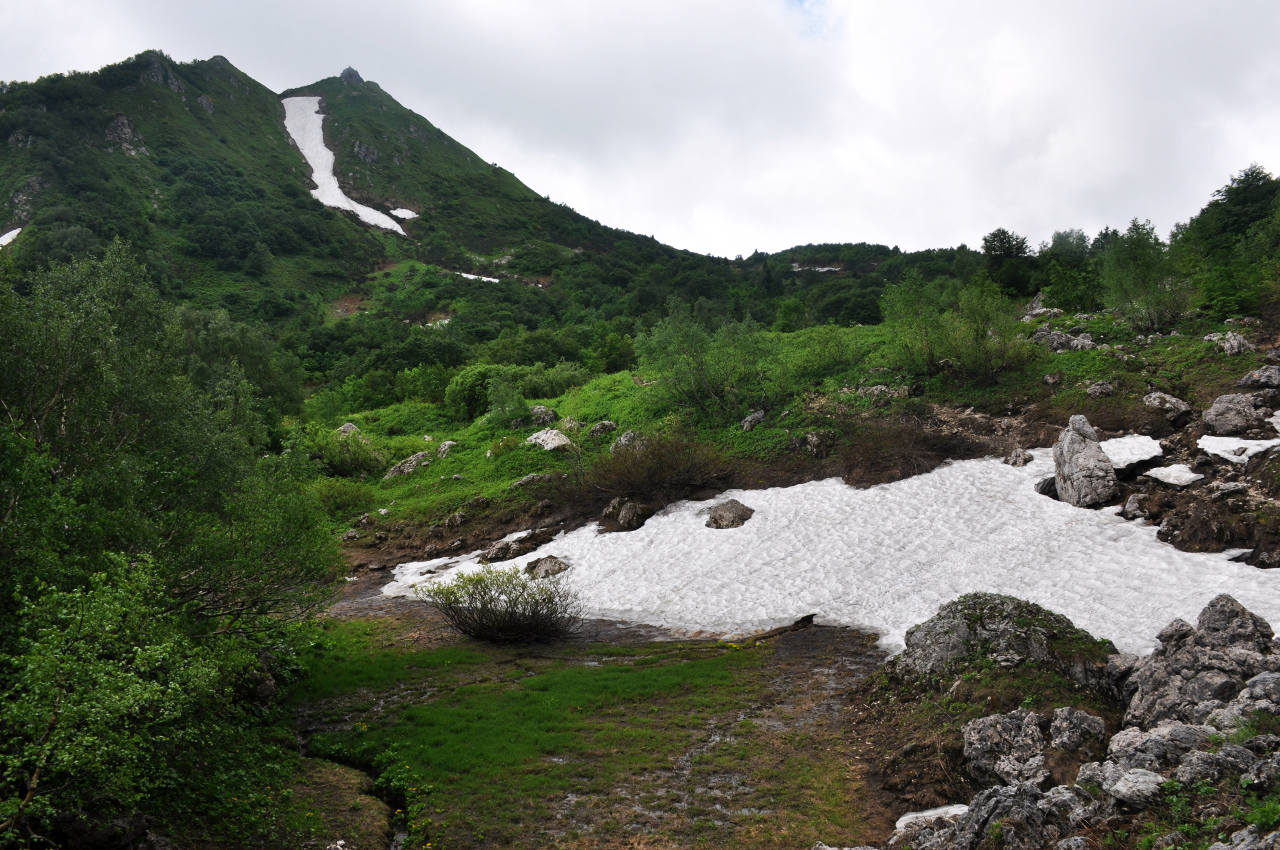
725 126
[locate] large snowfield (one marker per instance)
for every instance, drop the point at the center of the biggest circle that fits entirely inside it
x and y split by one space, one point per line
885 558
305 123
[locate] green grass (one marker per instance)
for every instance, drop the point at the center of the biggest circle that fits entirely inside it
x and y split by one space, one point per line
491 735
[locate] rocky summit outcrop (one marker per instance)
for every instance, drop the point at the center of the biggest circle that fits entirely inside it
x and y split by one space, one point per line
1082 471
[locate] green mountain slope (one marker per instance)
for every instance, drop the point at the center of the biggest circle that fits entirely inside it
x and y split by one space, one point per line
388 156
191 164
187 162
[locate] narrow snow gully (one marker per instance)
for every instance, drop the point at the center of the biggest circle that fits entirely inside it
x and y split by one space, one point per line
305 123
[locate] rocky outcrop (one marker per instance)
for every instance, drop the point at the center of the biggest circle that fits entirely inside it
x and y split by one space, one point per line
625 439
1083 473
1230 343
632 515
1174 409
546 567
408 465
540 414
533 478
752 420
1268 377
1232 414
605 426
625 514
729 514
1198 670
1059 341
1018 457
549 439
1004 749
446 447
984 628
1172 693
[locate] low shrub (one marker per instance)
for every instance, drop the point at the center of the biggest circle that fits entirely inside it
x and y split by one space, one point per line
506 605
342 498
347 455
657 468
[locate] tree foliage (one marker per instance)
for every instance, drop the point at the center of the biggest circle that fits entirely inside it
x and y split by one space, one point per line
970 329
1139 281
153 559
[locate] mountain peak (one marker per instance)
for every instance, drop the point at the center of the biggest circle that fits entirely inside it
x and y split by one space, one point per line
351 76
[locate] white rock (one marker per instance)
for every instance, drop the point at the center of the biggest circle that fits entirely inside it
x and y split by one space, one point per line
550 439
954 811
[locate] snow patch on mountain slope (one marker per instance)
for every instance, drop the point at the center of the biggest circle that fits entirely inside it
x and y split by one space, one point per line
886 557
305 123
9 237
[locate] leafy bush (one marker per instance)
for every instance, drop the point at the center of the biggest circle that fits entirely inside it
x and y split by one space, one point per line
506 605
347 455
467 395
342 498
971 330
715 373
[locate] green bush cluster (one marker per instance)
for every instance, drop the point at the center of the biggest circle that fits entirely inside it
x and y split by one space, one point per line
506 605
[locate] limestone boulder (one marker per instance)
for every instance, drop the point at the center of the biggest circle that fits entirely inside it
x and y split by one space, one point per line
1197 670
1232 414
1083 474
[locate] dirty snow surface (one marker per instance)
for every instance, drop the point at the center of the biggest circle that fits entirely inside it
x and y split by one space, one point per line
9 237
886 557
305 123
1235 449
